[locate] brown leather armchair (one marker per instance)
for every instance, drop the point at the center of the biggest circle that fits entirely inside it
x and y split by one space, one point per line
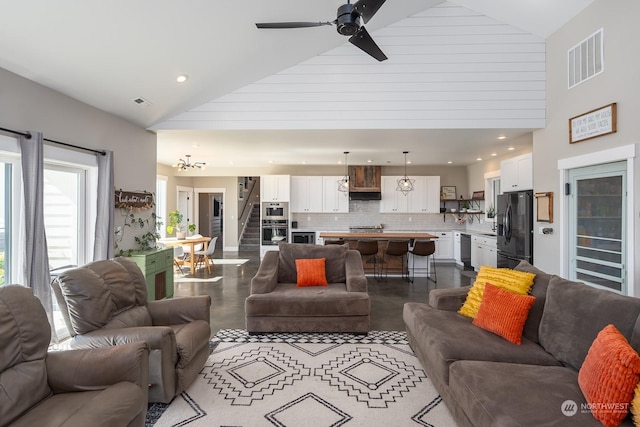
96 387
104 303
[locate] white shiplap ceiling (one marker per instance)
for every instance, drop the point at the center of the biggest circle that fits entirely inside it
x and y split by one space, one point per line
107 53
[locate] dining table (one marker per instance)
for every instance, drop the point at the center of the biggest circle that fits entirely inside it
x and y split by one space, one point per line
189 241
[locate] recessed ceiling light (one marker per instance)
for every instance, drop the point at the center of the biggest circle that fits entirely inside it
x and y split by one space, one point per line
502 137
511 148
195 145
369 161
408 162
494 154
304 163
479 158
182 78
449 162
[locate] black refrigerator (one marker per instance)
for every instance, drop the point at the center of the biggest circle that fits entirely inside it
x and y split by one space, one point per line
515 228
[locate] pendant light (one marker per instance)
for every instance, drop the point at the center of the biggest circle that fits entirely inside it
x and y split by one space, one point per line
343 184
405 184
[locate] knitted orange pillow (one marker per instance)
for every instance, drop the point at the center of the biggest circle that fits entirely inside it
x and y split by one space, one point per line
503 313
608 376
311 272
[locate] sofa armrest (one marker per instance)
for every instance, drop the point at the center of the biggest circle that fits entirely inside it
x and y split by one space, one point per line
177 311
96 368
448 299
356 281
266 278
157 337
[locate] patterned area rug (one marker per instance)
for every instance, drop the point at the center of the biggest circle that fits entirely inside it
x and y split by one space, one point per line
292 379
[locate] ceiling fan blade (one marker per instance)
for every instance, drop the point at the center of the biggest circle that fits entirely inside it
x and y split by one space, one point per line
363 40
279 25
368 8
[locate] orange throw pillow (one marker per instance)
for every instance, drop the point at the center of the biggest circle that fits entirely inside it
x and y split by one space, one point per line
311 272
503 313
608 376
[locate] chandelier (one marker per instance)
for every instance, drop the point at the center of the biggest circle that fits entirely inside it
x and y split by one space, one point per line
405 184
343 184
183 165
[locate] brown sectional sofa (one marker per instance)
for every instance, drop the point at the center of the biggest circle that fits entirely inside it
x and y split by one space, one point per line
276 304
488 381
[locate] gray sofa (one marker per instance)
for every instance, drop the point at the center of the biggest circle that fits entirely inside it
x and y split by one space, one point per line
276 304
487 381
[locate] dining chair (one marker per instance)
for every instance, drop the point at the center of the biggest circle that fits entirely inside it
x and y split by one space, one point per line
207 255
178 258
197 247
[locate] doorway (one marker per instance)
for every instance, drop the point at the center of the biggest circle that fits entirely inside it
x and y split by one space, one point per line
210 215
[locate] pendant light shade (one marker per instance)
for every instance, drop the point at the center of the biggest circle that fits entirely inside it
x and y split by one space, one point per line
343 184
405 184
184 165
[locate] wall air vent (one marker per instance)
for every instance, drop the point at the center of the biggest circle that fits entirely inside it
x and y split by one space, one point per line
586 59
141 102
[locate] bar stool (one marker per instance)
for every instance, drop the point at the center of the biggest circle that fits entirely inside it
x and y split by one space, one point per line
397 248
369 248
424 248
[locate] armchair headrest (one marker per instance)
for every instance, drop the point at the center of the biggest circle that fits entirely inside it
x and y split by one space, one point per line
91 295
335 256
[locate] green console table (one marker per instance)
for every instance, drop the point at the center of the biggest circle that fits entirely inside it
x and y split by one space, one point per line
157 267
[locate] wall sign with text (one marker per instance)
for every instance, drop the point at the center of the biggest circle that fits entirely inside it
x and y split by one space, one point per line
601 121
133 200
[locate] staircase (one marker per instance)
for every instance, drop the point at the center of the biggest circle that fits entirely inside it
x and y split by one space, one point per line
250 240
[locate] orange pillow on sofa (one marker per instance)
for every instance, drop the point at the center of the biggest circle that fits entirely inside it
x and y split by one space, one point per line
504 313
609 375
311 272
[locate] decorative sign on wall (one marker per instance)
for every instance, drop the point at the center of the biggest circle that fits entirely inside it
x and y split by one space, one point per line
133 200
598 122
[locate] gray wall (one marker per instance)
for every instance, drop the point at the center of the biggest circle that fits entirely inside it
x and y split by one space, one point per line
619 83
25 105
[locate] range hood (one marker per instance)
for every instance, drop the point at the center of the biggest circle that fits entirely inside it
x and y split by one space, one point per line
365 183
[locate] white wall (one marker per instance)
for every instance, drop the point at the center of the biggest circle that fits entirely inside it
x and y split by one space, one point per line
25 106
619 83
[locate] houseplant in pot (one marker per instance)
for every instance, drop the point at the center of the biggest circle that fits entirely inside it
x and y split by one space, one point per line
175 223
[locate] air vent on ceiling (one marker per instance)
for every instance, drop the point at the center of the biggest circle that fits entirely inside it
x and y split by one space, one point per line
586 59
142 102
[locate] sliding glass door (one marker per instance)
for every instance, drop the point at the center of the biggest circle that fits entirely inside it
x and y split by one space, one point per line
598 238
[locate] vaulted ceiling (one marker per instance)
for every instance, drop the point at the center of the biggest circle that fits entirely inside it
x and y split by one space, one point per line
238 106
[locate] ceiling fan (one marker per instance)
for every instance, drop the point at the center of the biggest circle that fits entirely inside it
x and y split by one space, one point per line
349 22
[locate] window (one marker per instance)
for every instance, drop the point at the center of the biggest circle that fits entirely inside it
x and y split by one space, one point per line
5 223
491 191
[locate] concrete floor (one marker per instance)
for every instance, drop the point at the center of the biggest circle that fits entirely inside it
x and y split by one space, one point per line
229 284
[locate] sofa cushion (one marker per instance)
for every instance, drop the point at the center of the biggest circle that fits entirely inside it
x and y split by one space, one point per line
538 290
311 272
574 313
609 375
445 337
519 282
289 300
508 394
503 313
335 256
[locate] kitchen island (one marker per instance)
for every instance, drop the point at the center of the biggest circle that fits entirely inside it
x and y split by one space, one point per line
394 263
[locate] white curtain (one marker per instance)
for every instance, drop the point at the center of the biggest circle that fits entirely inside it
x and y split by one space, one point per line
35 273
104 241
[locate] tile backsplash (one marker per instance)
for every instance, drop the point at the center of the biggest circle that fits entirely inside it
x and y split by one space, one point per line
367 213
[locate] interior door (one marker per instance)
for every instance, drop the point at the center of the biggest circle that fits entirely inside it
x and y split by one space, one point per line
598 226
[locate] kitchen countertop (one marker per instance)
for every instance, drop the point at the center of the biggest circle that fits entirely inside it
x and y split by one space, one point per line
374 235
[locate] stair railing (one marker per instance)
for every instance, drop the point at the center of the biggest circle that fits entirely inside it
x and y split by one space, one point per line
252 199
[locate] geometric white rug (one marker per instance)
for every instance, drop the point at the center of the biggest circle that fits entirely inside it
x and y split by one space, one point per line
294 379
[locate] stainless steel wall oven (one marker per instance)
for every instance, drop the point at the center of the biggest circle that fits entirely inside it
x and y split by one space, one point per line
274 231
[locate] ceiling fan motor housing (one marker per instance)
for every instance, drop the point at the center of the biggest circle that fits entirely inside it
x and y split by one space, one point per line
347 23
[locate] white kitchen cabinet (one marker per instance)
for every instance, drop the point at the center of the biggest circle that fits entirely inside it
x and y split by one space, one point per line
483 251
425 197
275 188
516 173
306 194
393 201
444 246
332 199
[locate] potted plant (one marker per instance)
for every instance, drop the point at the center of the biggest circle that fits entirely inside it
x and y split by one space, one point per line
191 228
491 212
175 223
